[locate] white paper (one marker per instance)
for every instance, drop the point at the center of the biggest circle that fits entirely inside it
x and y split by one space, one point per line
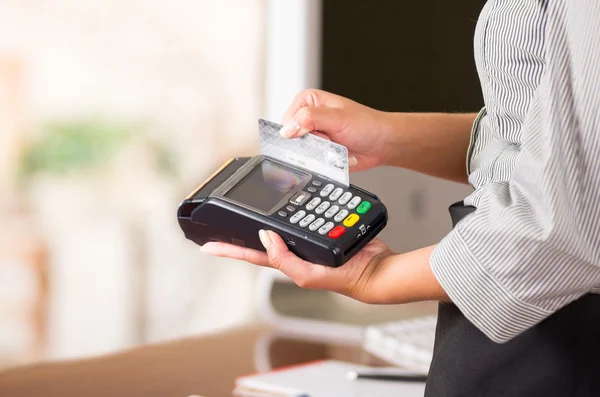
328 379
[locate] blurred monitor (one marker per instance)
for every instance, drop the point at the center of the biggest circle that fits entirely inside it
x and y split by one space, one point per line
401 55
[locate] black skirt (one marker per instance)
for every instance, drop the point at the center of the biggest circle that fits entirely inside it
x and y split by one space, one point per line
558 357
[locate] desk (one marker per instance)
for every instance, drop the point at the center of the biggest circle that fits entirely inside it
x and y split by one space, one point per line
205 366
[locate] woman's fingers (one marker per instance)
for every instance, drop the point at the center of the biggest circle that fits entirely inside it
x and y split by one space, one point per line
236 252
310 97
303 273
309 119
278 256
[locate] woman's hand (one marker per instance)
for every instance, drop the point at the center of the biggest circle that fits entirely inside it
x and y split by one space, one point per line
363 130
351 279
432 143
373 275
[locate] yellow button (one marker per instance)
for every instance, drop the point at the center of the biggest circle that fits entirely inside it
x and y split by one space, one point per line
351 220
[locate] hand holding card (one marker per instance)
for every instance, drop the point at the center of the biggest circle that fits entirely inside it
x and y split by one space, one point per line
363 130
311 152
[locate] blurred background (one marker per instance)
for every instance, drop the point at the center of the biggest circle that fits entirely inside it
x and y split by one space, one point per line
112 111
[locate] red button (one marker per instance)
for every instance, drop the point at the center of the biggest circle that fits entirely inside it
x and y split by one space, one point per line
337 231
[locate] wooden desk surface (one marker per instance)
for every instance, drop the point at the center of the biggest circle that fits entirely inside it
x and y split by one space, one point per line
205 366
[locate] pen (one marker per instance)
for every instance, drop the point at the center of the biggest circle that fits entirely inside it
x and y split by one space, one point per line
386 377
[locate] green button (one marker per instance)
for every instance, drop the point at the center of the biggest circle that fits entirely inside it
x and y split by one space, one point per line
364 207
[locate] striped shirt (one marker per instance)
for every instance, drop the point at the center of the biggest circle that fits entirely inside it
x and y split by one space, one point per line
533 244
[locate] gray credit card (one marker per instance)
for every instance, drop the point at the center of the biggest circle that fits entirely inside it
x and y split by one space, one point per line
311 152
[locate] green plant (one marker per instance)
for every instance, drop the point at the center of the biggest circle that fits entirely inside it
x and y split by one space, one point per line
73 147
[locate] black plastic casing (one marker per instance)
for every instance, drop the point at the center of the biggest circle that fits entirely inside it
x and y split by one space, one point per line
204 217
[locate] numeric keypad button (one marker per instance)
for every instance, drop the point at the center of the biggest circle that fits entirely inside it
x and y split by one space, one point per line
323 207
341 215
336 194
332 211
327 190
345 198
354 202
316 224
312 204
326 228
297 216
307 220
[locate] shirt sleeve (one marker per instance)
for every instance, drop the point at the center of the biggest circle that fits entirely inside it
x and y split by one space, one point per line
533 244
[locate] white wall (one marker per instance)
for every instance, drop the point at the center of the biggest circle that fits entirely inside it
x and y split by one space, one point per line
293 52
195 70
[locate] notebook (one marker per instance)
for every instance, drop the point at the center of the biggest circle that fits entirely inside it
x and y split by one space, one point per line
322 379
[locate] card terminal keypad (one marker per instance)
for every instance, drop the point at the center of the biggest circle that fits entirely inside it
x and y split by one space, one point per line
297 216
336 194
323 207
341 216
316 224
354 202
312 204
307 220
327 190
326 228
330 211
345 198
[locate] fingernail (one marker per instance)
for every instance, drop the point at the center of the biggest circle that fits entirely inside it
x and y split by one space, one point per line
206 248
265 239
352 161
289 129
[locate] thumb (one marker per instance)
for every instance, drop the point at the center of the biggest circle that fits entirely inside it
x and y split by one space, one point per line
280 257
308 119
303 273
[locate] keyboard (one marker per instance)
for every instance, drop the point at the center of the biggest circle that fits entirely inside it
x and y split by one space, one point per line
407 343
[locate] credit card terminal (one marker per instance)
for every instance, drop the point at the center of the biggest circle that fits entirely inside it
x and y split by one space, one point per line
320 220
